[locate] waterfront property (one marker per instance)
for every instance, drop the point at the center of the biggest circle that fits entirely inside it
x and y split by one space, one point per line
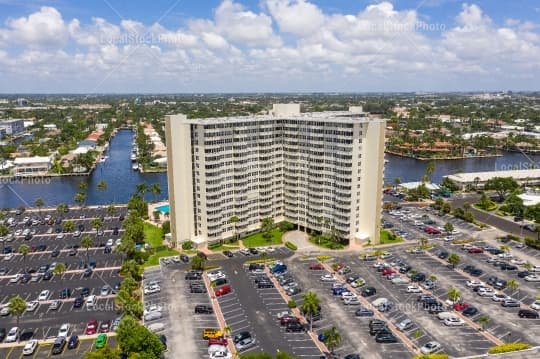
478 179
319 170
32 166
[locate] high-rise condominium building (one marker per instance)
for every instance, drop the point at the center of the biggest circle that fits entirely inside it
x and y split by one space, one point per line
320 170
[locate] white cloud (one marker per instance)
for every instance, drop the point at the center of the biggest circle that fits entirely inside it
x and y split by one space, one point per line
285 45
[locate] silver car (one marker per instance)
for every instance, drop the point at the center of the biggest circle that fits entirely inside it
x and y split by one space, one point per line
245 344
153 316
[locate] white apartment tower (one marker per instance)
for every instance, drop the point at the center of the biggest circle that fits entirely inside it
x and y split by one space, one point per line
316 170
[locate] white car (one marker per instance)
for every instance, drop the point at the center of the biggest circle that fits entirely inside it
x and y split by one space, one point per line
345 295
152 289
474 283
532 278
214 348
500 297
64 330
153 316
13 335
444 315
351 301
386 255
430 347
328 278
4 312
413 289
220 355
55 305
486 292
505 255
44 295
16 279
76 233
453 322
110 242
60 236
216 275
105 290
152 308
8 256
32 306
399 280
535 305
30 347
517 261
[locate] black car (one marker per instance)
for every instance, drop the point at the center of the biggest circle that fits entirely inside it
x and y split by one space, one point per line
115 231
73 342
508 266
26 278
85 292
8 250
193 276
443 255
253 251
65 293
379 329
241 336
527 313
116 288
107 250
476 272
78 302
470 311
80 227
26 334
523 274
468 268
368 291
3 333
163 340
295 326
87 272
121 218
4 271
41 248
500 284
418 277
265 284
47 275
364 312
203 309
386 338
72 252
58 346
228 254
55 253
198 289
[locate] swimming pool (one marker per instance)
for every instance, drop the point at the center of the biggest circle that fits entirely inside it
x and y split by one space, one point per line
163 208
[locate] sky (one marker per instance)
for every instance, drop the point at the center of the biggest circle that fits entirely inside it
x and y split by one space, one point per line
194 46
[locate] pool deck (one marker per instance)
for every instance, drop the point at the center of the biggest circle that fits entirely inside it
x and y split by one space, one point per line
162 216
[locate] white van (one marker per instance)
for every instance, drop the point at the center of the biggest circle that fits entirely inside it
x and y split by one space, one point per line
380 302
91 302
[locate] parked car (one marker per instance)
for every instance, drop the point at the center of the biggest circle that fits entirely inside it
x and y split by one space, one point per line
58 346
30 347
73 342
430 347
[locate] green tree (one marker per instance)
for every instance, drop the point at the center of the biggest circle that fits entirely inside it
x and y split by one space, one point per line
256 356
504 248
39 203
454 259
513 284
501 185
135 338
4 231
24 249
83 186
284 355
17 306
60 268
111 210
69 226
156 190
197 263
97 224
397 182
483 320
430 168
310 307
62 208
104 353
132 269
267 225
102 186
141 188
448 227
80 198
422 242
332 338
234 220
454 294
87 242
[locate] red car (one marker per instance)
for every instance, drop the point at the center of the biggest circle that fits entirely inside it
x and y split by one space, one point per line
226 289
476 250
316 266
91 327
286 319
460 306
338 266
217 341
388 271
105 326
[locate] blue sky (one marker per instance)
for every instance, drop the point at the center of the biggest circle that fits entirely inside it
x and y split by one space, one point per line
268 45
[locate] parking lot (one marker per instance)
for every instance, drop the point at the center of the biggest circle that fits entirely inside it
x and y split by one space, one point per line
44 350
44 321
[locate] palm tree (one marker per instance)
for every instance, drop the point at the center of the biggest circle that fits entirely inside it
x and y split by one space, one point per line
310 307
69 226
433 278
397 182
142 188
4 231
234 220
39 202
454 259
156 190
476 181
332 338
24 249
504 248
60 268
528 266
227 330
97 223
87 242
422 242
61 208
83 186
483 320
513 284
80 198
430 168
453 294
111 210
17 306
102 186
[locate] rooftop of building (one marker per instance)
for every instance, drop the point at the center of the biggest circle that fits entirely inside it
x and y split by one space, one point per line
471 177
31 160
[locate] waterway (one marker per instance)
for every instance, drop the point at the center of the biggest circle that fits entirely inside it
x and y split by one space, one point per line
121 180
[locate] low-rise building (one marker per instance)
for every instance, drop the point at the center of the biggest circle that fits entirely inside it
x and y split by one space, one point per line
32 166
12 127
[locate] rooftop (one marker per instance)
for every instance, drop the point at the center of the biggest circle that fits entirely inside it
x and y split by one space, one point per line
469 177
31 160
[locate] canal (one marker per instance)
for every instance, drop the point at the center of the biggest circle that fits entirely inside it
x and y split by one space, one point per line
121 180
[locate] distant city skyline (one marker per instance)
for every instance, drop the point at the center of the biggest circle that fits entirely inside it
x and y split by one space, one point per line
212 46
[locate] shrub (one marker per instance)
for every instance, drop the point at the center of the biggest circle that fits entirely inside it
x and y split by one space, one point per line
323 258
187 245
212 246
291 304
291 246
432 356
508 347
286 226
533 243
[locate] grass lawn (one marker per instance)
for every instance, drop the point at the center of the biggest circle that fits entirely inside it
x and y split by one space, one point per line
223 247
386 238
153 260
152 235
257 239
325 243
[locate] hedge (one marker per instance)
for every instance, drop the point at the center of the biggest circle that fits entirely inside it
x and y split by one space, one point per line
508 347
432 356
291 246
323 258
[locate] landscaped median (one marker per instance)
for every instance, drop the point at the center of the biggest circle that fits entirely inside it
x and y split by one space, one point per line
508 347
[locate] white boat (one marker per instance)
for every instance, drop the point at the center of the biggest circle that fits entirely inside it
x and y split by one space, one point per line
135 167
103 159
133 156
